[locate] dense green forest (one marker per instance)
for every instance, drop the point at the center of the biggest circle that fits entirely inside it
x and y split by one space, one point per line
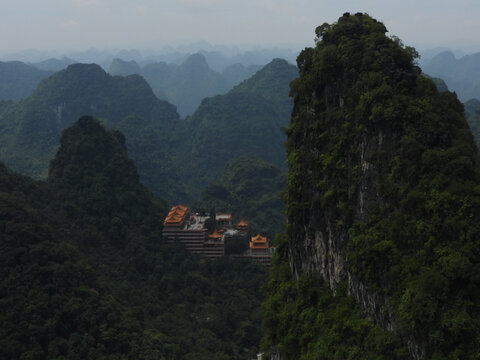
250 188
176 159
382 206
85 273
248 120
379 255
30 129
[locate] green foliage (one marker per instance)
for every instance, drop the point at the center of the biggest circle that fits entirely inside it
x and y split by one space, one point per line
236 245
176 159
85 273
385 165
250 188
306 321
248 120
30 130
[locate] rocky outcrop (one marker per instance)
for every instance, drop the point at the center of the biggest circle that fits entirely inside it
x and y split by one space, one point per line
318 246
380 206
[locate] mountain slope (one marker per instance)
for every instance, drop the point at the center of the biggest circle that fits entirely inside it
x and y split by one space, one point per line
187 84
54 64
460 74
191 82
248 187
382 208
236 73
248 120
31 129
85 273
53 304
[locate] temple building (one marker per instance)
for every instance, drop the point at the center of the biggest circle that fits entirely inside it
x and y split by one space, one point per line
187 228
224 221
214 246
242 227
182 226
259 250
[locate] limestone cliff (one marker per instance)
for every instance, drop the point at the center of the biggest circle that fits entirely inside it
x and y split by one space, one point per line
381 202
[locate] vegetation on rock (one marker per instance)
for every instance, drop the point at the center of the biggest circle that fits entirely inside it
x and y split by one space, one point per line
85 273
250 188
382 200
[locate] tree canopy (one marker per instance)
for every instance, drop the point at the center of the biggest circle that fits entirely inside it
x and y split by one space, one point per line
385 167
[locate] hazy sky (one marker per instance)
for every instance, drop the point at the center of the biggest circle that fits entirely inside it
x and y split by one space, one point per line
106 24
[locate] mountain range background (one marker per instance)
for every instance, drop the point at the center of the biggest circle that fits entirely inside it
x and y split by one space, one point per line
222 110
202 129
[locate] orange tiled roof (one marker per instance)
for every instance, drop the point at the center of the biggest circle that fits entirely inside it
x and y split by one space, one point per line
242 224
258 242
176 215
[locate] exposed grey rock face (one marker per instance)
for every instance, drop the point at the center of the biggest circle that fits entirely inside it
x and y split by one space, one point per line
319 246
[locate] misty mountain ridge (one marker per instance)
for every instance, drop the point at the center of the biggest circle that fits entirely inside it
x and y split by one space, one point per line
461 75
18 80
54 64
172 155
247 120
187 84
218 56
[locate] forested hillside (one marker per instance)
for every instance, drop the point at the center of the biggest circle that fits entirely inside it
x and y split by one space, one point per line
176 159
85 273
250 188
248 120
30 129
381 252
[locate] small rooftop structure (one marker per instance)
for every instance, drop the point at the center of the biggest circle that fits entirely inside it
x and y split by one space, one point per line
189 229
258 242
242 226
259 250
176 216
224 220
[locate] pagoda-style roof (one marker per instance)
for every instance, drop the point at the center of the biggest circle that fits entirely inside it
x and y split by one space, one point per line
215 235
176 215
258 242
242 225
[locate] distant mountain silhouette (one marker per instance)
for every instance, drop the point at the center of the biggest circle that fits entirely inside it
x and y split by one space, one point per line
187 84
54 64
461 75
18 80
